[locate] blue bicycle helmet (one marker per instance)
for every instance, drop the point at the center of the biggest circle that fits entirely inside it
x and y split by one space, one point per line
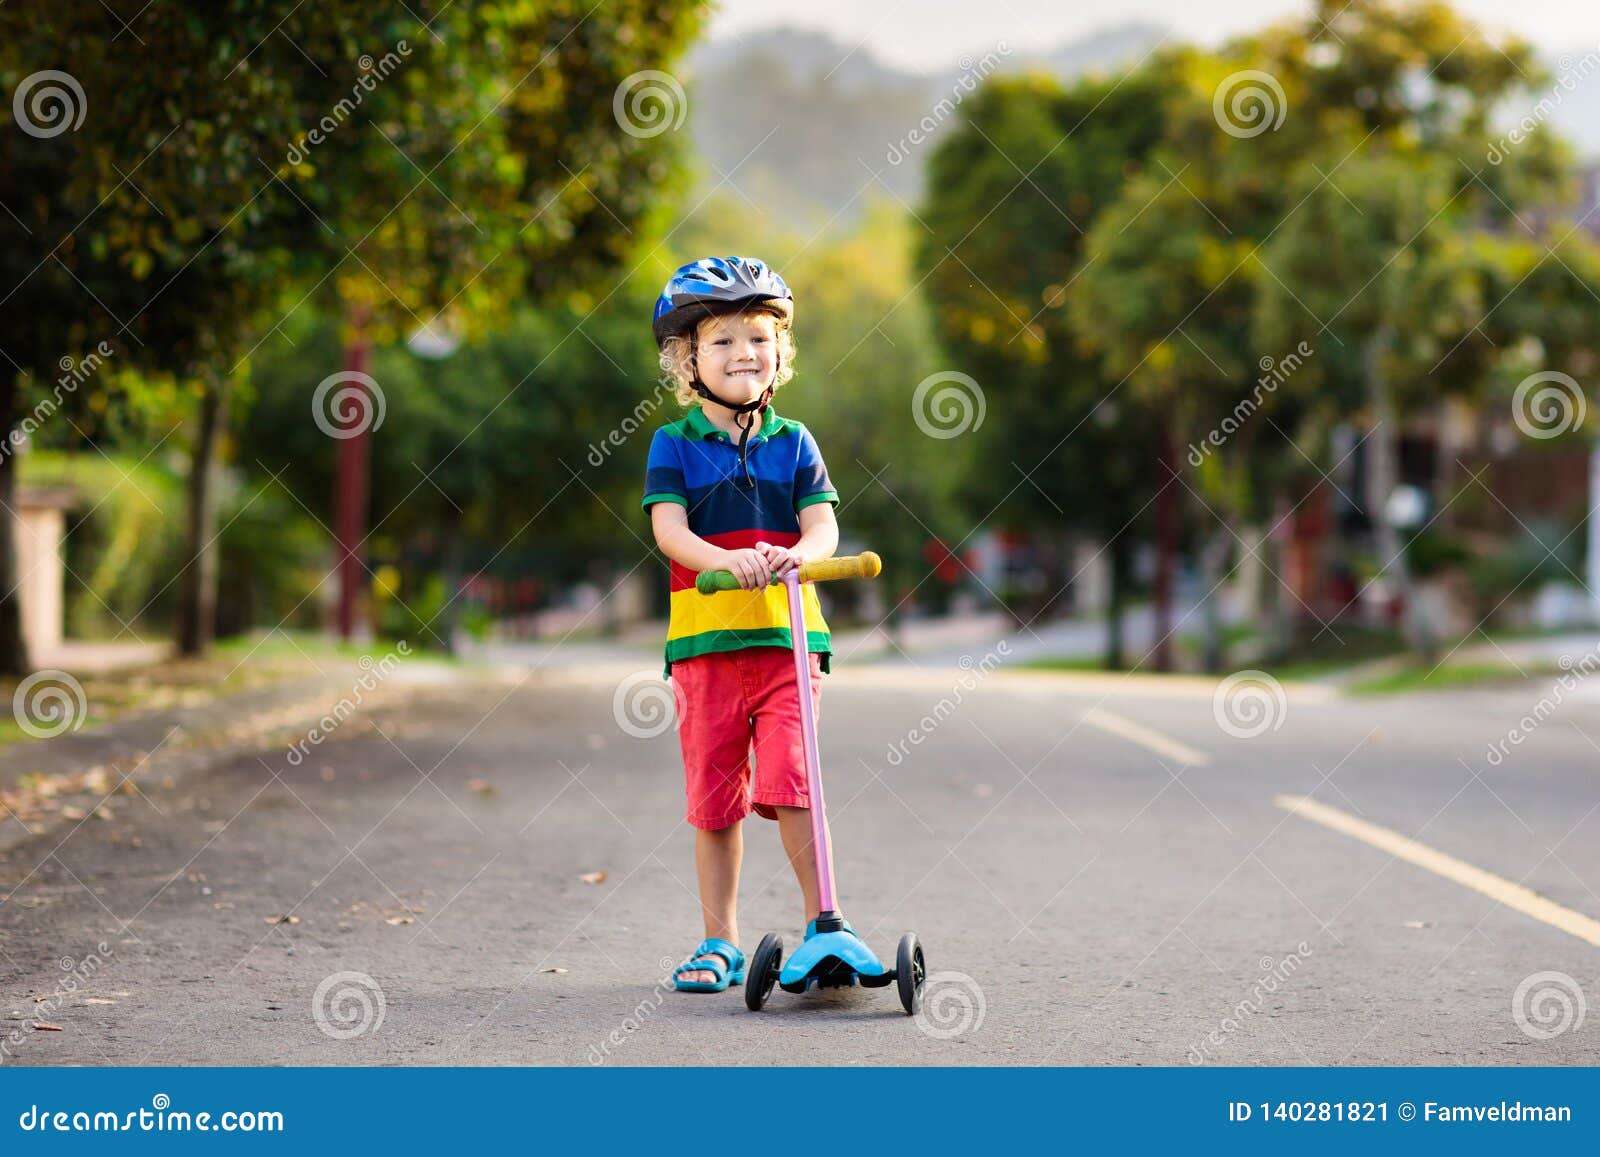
716 285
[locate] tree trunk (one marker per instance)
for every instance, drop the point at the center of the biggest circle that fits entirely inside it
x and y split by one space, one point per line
1115 603
1381 481
1213 556
1275 592
1166 552
13 645
197 583
350 485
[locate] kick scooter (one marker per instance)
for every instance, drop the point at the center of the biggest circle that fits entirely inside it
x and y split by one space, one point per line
832 955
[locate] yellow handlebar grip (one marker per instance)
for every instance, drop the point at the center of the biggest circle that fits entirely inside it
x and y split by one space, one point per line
863 565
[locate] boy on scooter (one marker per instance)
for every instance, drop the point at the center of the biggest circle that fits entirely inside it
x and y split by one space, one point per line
732 486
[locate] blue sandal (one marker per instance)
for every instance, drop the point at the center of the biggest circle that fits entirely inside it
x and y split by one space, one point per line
724 961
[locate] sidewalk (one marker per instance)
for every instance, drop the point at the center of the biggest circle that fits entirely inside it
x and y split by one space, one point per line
45 779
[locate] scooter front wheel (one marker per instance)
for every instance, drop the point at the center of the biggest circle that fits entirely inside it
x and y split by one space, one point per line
910 970
764 968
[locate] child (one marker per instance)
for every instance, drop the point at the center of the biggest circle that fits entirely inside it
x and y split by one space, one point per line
734 487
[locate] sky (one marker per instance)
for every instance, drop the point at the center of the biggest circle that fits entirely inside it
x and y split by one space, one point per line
930 35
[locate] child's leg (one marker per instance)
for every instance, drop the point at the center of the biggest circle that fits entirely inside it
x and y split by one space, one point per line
794 825
717 856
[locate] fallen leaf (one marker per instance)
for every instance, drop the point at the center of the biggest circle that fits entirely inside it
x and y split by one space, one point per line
400 920
283 919
555 970
592 877
41 1026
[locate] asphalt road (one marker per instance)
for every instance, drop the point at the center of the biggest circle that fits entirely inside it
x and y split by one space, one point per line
1098 869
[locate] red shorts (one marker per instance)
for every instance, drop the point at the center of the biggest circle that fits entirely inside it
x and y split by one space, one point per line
738 711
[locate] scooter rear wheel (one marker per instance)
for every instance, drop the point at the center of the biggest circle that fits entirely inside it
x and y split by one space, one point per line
764 968
910 970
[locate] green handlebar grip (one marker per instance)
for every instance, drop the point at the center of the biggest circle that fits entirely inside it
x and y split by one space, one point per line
709 582
863 565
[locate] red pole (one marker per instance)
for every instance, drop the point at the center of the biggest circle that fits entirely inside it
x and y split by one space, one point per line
350 485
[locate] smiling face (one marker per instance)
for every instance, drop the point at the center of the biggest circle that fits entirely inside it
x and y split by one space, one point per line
738 354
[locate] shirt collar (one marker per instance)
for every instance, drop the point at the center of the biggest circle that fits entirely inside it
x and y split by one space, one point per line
701 426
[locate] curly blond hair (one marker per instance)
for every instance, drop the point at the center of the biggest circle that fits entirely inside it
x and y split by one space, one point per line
677 356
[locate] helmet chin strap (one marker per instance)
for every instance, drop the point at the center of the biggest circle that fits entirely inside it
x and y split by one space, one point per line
740 409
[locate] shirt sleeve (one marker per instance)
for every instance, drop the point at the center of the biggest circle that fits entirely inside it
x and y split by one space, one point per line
663 475
811 482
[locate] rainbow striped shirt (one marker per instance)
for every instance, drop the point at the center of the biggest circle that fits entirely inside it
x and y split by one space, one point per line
696 465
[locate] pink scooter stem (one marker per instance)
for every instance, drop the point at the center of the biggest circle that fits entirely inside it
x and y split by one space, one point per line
808 726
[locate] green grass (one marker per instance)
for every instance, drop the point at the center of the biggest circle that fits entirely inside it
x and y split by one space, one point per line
1084 664
1422 678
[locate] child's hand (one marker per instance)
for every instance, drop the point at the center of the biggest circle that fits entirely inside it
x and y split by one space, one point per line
750 567
781 559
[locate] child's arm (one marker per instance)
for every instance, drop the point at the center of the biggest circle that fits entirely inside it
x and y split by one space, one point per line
819 538
670 522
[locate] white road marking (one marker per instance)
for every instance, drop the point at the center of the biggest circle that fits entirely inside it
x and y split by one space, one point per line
1524 900
1146 737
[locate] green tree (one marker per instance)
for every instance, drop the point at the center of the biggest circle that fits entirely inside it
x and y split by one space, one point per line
1013 190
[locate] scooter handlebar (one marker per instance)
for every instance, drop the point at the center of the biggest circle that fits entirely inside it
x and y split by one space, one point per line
863 565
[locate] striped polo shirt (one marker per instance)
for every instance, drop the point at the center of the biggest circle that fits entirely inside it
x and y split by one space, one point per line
696 465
